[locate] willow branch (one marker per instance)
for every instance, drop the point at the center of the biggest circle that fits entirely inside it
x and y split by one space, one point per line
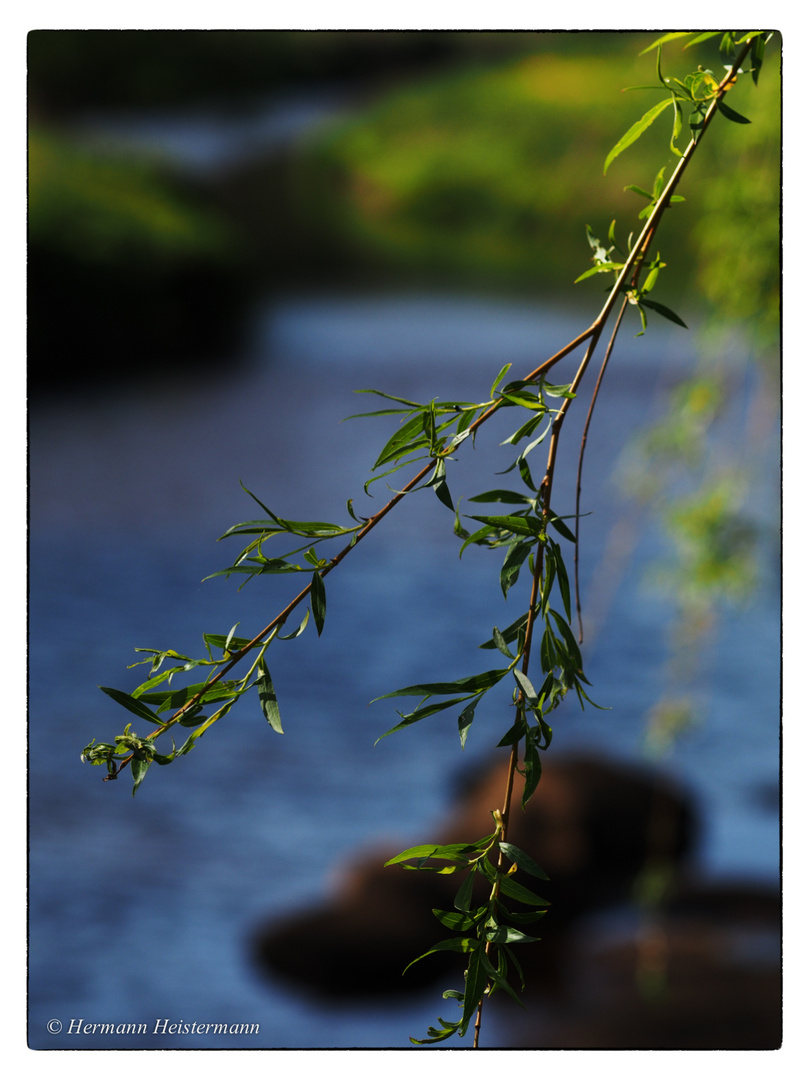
591 335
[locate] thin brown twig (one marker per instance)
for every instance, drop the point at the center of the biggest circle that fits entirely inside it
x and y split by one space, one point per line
631 269
585 430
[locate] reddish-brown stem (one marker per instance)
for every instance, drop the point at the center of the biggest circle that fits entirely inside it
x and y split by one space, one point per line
585 430
629 273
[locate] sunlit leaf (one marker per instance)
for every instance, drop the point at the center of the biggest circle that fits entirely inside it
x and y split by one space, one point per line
673 35
454 920
636 131
268 699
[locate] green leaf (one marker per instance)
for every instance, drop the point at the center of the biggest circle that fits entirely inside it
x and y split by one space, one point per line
471 685
515 733
636 130
138 767
523 526
511 633
268 699
191 740
570 640
730 114
257 526
508 935
455 853
257 500
437 1035
439 484
510 571
500 643
677 127
421 714
558 524
532 769
465 721
454 920
500 376
297 632
217 641
133 704
463 898
458 944
258 566
318 596
524 861
548 651
389 397
705 36
672 36
562 577
313 528
502 495
475 984
156 680
499 979
528 691
603 268
662 310
640 191
511 888
176 699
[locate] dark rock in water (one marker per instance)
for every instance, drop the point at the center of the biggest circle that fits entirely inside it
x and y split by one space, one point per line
592 825
701 973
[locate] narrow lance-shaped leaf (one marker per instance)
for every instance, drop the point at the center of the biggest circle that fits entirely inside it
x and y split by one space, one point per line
730 114
667 313
475 984
520 893
139 766
465 721
318 596
459 944
635 131
484 681
268 699
133 704
463 898
428 710
524 861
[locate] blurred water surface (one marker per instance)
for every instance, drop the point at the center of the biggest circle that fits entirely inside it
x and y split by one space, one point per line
140 909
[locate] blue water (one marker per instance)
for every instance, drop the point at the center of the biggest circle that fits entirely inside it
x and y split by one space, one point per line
140 909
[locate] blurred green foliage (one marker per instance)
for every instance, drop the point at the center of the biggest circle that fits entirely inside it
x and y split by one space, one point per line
472 160
109 209
491 175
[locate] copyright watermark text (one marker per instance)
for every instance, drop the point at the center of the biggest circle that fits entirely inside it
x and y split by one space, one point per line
164 1026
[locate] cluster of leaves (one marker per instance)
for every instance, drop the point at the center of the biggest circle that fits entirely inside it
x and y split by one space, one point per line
698 90
605 261
483 929
224 651
430 433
